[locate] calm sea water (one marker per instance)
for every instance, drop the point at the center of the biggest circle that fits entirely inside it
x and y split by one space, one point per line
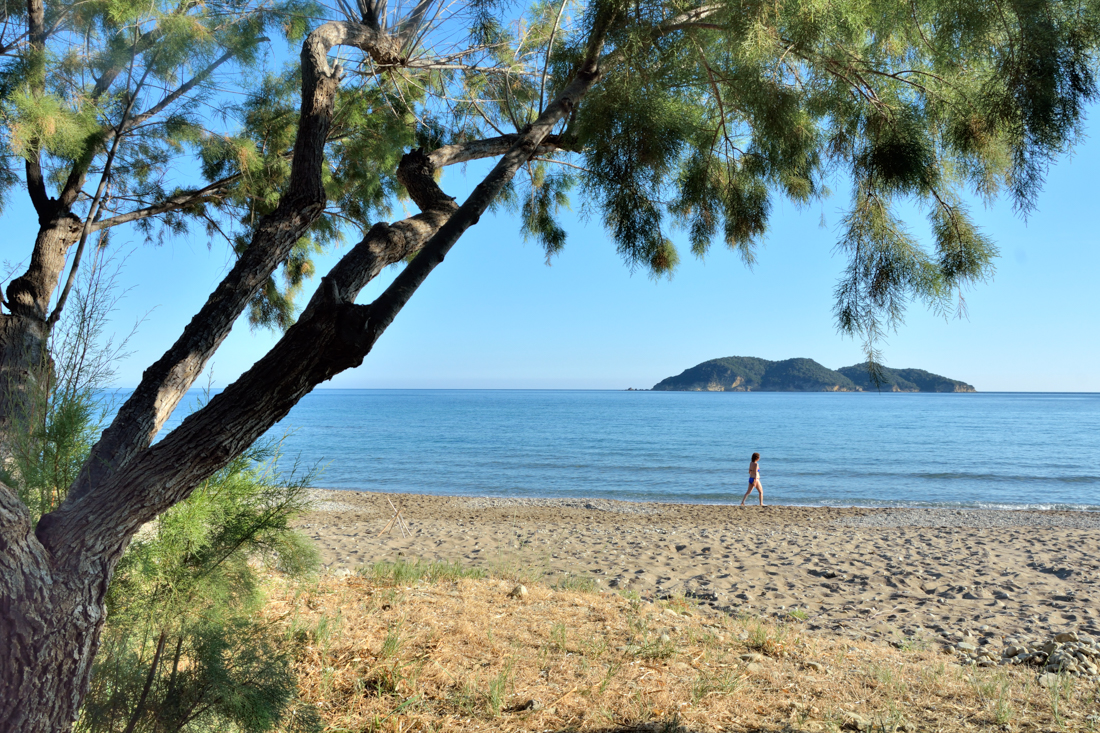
1008 450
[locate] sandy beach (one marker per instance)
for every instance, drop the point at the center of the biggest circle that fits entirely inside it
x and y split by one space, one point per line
898 575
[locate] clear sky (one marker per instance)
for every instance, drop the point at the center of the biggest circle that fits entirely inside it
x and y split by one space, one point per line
494 315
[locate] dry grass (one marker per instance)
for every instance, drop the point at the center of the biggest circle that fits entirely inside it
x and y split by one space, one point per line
394 653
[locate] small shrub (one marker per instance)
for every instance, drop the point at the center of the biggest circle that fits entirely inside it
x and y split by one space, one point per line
498 689
403 572
577 584
183 649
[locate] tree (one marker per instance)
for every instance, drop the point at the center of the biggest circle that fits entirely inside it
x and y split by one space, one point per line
664 114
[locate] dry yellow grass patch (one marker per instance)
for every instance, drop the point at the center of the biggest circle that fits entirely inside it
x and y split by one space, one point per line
463 654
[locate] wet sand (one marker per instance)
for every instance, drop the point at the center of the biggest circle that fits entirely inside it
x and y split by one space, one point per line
899 575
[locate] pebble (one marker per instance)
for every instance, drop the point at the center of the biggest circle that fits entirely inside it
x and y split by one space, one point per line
1067 652
855 722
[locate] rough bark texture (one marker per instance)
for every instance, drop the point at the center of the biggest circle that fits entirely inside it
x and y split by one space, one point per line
49 622
24 330
22 356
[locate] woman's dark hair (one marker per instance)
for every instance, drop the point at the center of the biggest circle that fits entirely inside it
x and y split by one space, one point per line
756 456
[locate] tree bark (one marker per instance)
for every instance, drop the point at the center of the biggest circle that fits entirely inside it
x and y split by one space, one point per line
49 623
24 329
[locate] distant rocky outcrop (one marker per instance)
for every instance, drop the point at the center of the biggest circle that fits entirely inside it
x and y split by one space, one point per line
751 374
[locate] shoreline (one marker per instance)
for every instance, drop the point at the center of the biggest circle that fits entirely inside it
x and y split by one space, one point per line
566 501
904 575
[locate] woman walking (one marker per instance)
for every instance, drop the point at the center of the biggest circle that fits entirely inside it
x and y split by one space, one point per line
754 479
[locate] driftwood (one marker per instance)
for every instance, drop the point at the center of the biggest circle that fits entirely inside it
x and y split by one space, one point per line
398 519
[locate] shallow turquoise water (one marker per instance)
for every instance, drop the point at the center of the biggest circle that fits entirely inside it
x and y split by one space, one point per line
988 449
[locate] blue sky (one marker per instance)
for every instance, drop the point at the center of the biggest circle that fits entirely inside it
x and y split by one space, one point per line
493 315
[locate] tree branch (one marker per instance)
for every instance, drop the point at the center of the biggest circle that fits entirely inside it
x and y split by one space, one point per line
166 381
332 335
549 49
36 182
486 148
173 203
179 92
146 41
95 207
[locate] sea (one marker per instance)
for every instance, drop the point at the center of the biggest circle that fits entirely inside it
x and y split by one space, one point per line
984 450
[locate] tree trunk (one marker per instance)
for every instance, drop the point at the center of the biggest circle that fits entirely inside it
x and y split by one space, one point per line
22 356
24 330
49 629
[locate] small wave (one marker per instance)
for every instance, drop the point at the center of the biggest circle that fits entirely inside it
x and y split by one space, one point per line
954 476
723 499
1007 478
960 505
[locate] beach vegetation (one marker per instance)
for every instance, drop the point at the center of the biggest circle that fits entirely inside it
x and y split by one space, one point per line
392 643
183 648
498 689
1001 700
559 637
798 614
680 602
1057 693
701 118
577 583
913 644
721 682
451 676
519 570
405 572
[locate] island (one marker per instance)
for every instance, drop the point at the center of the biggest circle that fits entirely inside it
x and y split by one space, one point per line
752 374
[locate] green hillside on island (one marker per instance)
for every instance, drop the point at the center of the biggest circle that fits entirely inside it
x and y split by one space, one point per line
751 374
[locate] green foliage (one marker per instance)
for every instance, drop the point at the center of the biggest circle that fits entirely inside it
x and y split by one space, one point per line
548 193
153 75
46 120
702 123
803 375
747 373
577 584
183 649
705 115
400 572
